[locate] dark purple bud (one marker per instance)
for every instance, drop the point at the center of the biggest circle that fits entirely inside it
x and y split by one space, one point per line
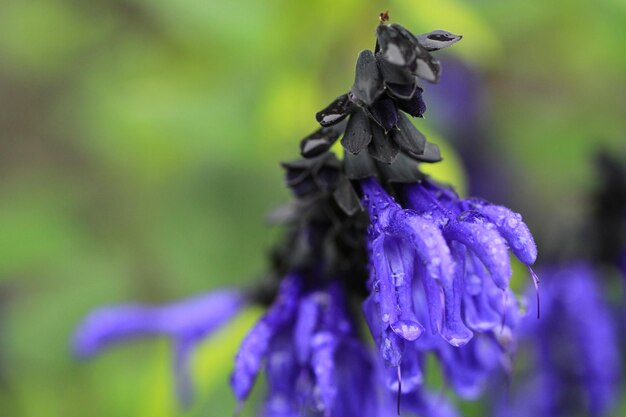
437 39
414 106
408 138
335 111
384 113
368 83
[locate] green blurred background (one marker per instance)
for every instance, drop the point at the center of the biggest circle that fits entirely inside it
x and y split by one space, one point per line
139 142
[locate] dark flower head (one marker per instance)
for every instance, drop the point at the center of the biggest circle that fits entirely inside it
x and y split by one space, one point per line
385 85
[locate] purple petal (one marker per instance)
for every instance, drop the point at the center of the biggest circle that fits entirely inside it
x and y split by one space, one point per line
389 344
379 204
387 292
281 371
466 369
514 230
400 263
483 239
356 382
454 330
304 329
193 318
478 313
323 364
429 300
255 345
431 248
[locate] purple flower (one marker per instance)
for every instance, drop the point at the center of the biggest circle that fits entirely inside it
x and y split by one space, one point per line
441 267
573 350
315 363
185 322
430 271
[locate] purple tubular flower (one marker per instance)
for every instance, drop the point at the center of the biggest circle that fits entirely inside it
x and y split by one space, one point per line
441 267
511 228
574 348
468 368
314 362
281 372
403 234
255 346
186 322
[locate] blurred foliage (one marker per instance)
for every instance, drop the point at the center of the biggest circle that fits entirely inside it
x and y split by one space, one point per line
139 142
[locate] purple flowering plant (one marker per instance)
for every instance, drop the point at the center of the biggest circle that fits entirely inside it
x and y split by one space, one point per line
369 238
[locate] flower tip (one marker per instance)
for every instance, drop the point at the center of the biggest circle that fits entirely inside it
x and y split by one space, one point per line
82 347
92 333
407 329
457 337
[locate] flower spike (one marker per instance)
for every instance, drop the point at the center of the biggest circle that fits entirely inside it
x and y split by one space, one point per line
428 268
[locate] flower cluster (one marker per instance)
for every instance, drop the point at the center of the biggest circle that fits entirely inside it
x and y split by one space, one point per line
441 267
367 237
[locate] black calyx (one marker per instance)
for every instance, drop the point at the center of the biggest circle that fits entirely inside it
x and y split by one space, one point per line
309 178
321 140
401 56
384 113
358 133
382 148
359 166
347 198
431 153
415 105
318 181
408 138
401 91
325 225
403 169
378 139
395 47
368 82
437 39
335 111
